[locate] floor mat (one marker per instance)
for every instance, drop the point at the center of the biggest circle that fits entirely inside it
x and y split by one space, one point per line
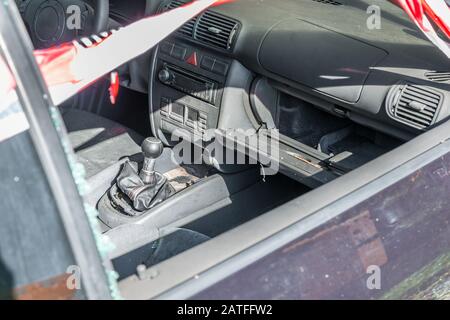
356 150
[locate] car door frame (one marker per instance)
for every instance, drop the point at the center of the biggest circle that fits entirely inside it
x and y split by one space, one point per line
53 149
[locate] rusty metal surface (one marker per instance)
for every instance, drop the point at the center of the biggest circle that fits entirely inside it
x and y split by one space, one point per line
404 230
52 289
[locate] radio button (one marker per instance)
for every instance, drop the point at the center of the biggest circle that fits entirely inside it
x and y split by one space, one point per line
192 114
165 76
190 124
176 117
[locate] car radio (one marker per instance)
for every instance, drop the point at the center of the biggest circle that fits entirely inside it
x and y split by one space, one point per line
188 82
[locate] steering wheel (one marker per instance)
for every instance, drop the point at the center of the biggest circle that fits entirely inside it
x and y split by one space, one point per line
50 22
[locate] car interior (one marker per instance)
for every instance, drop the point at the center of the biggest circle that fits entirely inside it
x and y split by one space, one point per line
334 93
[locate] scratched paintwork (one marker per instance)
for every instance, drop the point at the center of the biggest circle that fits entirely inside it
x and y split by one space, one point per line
404 229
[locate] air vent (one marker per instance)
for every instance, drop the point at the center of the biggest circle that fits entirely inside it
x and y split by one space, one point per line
438 76
334 3
188 28
414 105
209 28
216 30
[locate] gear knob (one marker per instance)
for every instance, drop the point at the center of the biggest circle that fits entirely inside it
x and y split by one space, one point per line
152 148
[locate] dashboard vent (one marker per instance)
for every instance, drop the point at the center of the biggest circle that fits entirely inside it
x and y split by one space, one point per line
438 76
414 105
334 3
216 30
209 28
188 28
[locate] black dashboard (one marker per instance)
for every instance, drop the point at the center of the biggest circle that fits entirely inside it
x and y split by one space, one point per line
125 12
390 78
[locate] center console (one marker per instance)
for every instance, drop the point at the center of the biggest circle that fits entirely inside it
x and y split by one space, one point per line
186 88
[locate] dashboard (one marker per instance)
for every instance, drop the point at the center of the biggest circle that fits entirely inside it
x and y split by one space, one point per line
321 51
125 12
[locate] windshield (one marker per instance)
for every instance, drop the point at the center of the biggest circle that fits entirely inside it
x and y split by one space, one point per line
433 19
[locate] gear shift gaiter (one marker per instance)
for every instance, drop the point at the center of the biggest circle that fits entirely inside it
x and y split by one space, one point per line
136 192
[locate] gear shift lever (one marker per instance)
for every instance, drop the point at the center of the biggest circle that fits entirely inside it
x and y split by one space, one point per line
137 192
152 149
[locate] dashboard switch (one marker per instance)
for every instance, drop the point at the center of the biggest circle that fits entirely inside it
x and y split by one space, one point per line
166 47
192 59
207 63
220 68
179 52
164 106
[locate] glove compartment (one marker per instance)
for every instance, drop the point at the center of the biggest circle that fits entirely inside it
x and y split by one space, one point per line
319 58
